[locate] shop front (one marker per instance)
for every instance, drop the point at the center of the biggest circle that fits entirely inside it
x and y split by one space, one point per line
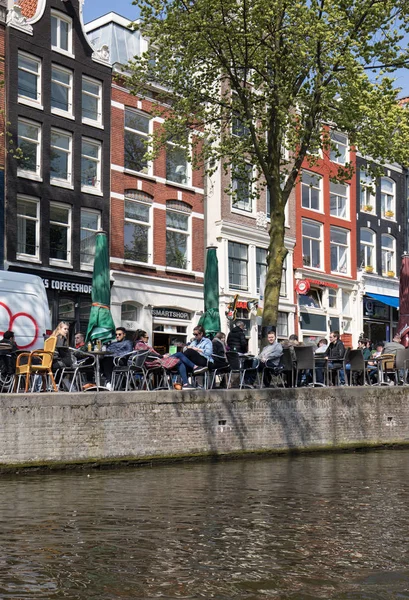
380 317
69 298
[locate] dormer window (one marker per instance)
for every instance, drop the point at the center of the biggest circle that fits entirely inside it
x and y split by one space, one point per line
61 33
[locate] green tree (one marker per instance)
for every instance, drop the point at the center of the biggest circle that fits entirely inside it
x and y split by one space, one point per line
258 77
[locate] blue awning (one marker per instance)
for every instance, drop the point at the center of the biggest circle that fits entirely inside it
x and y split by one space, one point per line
389 300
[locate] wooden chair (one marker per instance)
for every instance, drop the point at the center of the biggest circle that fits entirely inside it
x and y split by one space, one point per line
43 368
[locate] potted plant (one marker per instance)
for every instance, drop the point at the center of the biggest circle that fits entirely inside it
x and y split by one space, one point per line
389 213
391 273
368 208
369 269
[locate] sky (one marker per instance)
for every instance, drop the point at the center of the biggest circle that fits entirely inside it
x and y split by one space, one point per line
97 8
125 8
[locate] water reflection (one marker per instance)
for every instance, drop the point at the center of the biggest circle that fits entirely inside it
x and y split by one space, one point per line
285 528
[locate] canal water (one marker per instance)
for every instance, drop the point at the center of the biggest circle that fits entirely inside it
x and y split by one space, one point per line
301 528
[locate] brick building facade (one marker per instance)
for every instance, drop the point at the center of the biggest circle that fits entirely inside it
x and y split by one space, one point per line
157 211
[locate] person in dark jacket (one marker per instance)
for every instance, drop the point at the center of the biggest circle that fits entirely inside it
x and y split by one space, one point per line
335 353
219 355
8 349
236 340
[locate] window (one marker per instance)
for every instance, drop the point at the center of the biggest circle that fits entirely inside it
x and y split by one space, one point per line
339 250
366 195
238 127
388 255
238 261
387 198
261 265
339 200
90 224
60 233
332 298
339 147
367 250
137 228
311 244
283 287
177 168
61 90
28 227
311 191
345 303
91 165
60 157
61 33
29 78
129 312
177 234
282 325
136 137
29 142
91 101
241 187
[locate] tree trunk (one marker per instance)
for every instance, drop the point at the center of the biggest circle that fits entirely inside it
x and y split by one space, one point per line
276 255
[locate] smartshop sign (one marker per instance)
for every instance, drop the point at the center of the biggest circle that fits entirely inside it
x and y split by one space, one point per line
171 313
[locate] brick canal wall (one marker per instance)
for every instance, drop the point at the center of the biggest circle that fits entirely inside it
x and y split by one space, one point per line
59 429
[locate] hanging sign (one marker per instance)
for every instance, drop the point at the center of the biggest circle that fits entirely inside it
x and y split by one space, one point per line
303 286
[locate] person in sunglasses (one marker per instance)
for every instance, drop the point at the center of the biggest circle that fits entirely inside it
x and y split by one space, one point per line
118 348
195 356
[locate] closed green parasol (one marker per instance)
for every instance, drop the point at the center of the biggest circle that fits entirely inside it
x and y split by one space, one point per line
210 320
101 325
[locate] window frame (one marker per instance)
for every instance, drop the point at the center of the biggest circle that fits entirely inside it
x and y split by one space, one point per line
69 114
339 245
390 201
86 120
147 224
85 265
250 200
245 261
87 189
319 240
142 134
385 249
25 99
337 196
259 266
363 245
187 233
36 201
36 175
334 151
319 188
188 167
367 194
66 19
68 207
56 180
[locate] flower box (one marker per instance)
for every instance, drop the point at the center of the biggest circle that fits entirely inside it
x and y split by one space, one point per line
369 269
368 208
389 213
391 273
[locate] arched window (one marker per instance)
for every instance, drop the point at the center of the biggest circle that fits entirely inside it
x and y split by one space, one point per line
388 249
388 208
367 259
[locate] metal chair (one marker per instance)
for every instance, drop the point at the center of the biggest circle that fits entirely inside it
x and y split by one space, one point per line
82 362
335 366
130 368
276 372
358 367
238 366
305 362
6 370
43 368
288 364
215 371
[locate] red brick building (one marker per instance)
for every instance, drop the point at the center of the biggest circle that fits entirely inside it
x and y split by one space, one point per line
157 210
325 253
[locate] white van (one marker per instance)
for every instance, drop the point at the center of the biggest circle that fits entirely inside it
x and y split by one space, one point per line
24 309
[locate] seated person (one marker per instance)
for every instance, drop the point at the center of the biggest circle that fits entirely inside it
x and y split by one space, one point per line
8 349
236 340
195 356
335 353
154 359
270 356
80 344
393 346
118 348
219 355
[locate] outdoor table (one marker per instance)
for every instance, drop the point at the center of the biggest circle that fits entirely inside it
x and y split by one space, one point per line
98 354
380 365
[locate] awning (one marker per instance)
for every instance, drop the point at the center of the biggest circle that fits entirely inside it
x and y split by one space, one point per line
389 300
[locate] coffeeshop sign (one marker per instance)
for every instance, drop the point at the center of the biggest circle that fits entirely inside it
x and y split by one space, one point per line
67 286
